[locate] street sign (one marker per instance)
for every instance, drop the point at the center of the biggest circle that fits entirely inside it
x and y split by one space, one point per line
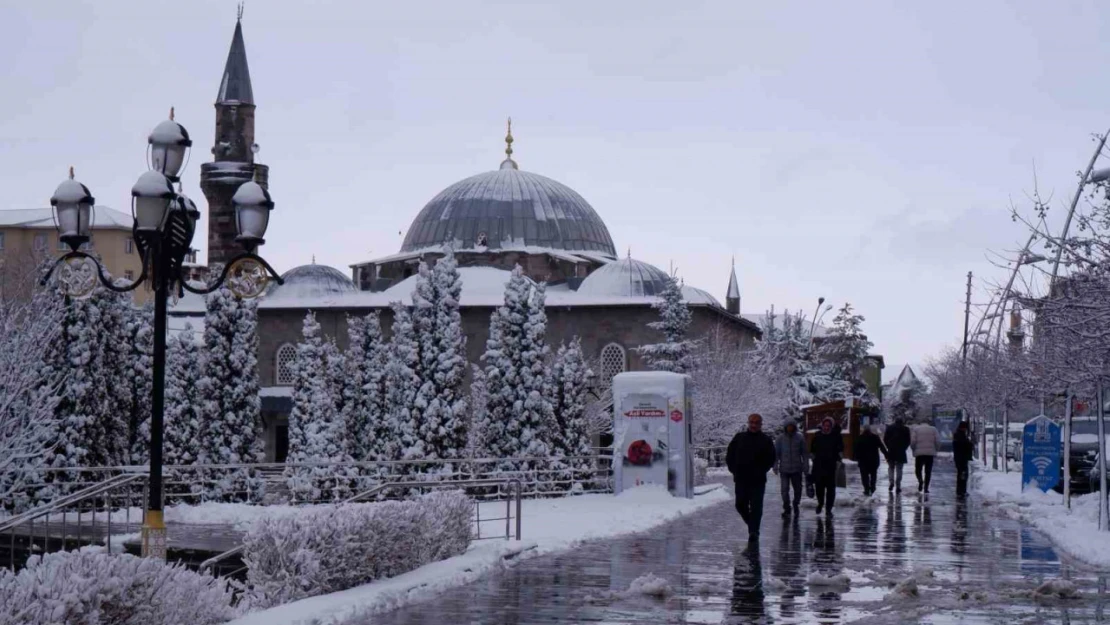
1041 454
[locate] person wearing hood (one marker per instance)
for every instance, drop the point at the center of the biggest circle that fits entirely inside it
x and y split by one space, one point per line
826 451
751 454
962 449
791 462
897 439
867 449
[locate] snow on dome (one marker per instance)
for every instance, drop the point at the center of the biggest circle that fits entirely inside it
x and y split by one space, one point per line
152 184
694 295
308 281
251 193
509 208
626 277
168 132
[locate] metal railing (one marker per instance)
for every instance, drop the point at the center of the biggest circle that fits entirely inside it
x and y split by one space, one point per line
514 495
119 489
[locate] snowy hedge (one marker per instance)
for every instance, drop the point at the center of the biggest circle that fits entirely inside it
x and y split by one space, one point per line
319 551
72 587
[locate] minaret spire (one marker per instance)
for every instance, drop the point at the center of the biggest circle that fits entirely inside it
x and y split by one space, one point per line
509 163
732 297
235 87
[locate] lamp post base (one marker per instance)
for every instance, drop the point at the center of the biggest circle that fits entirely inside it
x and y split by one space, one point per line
154 535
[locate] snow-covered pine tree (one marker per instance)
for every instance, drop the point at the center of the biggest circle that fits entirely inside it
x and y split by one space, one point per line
140 329
364 393
118 364
231 419
183 434
570 379
403 386
442 353
479 415
785 351
844 350
335 365
315 429
674 353
520 417
907 404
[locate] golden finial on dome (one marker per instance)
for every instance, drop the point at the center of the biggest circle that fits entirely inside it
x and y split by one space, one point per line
171 113
509 163
71 172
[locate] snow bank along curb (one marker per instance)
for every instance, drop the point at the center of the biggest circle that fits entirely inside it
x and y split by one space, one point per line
1075 531
549 525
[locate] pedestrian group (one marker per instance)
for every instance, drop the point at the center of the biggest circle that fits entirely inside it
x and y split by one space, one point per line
820 464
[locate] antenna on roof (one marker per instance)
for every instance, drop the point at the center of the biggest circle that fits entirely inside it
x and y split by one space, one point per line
239 17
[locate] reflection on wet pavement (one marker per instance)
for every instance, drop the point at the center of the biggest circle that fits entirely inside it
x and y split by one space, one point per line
969 566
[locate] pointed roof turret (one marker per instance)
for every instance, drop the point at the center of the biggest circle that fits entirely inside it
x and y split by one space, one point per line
733 285
235 87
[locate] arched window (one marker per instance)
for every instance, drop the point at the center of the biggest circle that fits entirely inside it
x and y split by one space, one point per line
613 361
283 364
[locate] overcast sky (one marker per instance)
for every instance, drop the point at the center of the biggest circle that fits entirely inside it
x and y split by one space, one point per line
867 152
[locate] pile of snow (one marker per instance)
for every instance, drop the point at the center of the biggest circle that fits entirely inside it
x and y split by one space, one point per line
1056 588
324 551
775 584
549 525
650 585
1074 531
80 587
906 588
839 580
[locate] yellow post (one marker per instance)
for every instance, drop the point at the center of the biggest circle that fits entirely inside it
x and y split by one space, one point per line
154 535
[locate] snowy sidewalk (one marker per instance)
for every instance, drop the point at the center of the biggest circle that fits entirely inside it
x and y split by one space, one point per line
549 526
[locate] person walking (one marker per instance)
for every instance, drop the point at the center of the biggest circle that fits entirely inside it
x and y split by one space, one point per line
826 451
791 462
897 440
751 454
866 450
962 448
924 440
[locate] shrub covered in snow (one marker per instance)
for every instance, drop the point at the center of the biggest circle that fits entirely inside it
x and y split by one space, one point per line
80 587
325 550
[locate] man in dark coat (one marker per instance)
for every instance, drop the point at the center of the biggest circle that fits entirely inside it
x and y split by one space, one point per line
751 454
897 439
867 449
962 449
826 450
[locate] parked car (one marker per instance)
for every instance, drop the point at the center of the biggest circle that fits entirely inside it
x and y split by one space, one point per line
1084 454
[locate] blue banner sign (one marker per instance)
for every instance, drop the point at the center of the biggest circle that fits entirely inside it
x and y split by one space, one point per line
946 423
1041 454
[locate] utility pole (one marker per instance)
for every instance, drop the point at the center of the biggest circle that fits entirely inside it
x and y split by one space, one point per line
967 315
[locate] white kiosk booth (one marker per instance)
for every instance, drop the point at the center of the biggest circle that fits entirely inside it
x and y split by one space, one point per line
651 432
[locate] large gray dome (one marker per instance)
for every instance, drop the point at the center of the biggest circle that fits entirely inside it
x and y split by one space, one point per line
509 208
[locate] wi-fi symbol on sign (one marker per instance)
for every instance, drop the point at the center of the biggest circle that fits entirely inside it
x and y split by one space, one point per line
1041 462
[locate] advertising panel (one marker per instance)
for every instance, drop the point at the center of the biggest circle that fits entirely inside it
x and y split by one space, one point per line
946 422
651 432
1042 449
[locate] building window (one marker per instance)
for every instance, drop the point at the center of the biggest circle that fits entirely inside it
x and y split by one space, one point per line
129 246
613 361
62 247
283 365
127 273
40 242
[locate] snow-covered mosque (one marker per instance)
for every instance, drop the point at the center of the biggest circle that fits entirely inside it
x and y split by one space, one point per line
494 221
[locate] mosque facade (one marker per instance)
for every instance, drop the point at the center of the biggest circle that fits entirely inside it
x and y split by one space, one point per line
493 222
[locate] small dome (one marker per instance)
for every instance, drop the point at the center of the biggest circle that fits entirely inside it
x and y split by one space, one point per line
312 281
509 208
694 295
625 278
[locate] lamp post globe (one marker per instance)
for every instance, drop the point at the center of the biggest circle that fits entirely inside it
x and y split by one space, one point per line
252 213
151 199
169 142
73 212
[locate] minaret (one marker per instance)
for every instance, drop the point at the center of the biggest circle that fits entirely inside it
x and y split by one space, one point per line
732 298
233 154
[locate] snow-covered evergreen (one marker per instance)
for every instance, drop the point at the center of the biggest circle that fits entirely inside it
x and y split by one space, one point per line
570 379
442 359
364 391
316 429
785 348
401 440
844 350
907 401
674 353
520 417
183 433
140 330
231 419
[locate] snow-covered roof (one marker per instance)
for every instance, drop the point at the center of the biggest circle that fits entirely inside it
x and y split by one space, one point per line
103 217
905 378
481 287
626 277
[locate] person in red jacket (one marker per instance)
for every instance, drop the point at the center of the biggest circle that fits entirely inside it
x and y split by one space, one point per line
751 454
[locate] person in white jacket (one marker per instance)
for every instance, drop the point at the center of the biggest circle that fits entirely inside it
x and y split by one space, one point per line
924 441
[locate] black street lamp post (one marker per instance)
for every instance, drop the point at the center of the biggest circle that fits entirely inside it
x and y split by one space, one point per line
165 222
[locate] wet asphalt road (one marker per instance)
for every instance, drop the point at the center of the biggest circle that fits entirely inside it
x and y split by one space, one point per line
972 566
